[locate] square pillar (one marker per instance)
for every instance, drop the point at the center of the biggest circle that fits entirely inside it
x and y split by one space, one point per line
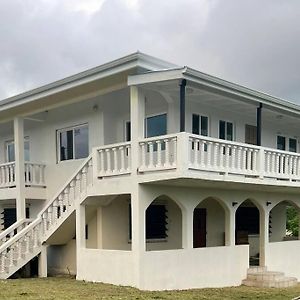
19 167
230 227
264 236
42 262
137 121
80 227
188 228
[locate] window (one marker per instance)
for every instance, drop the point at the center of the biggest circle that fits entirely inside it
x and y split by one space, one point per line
156 222
284 143
225 130
200 124
73 143
10 150
280 142
127 131
156 125
292 145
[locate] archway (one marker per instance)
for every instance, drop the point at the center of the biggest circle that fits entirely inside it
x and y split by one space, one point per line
163 224
284 222
247 229
209 224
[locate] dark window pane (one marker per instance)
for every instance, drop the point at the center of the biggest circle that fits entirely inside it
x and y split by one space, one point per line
11 152
293 145
280 142
156 125
222 130
204 126
81 141
128 132
156 222
229 131
195 124
66 145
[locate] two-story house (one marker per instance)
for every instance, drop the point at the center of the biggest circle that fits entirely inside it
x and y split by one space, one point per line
143 173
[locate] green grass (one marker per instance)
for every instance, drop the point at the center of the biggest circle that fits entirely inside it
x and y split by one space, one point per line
66 288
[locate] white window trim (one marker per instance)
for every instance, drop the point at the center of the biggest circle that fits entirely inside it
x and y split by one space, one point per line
233 128
58 132
287 138
154 115
208 122
12 142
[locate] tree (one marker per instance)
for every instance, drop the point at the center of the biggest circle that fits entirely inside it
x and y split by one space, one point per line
292 220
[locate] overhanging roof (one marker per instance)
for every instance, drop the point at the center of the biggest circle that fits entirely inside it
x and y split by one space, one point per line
125 63
214 83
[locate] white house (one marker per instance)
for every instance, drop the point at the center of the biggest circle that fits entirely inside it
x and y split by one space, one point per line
143 173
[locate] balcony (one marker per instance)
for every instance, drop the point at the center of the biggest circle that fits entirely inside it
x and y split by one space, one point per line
34 175
189 155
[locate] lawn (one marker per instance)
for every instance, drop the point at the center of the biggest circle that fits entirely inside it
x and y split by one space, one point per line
67 288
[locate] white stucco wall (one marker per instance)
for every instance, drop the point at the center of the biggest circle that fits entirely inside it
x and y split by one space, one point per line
193 268
108 266
62 259
284 257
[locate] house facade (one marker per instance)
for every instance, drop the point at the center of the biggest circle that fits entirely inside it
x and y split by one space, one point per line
148 174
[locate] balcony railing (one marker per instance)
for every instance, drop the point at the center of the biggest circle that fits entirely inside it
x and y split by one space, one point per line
34 174
189 152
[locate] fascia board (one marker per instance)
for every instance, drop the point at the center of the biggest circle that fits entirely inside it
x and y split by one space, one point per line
156 76
240 91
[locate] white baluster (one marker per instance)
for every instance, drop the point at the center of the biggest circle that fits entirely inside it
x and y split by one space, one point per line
151 150
102 167
108 161
115 160
158 143
173 162
209 153
122 169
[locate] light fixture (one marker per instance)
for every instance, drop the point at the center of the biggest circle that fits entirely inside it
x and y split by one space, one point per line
234 203
268 203
95 107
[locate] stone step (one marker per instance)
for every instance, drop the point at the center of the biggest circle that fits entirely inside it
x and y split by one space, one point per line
266 276
282 283
256 269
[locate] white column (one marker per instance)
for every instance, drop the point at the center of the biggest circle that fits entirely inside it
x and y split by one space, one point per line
230 226
42 262
264 235
188 228
19 167
137 119
80 227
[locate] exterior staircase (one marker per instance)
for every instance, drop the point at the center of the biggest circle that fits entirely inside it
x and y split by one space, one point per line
260 277
22 241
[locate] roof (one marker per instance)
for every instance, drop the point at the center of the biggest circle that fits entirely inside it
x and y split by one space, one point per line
128 62
154 70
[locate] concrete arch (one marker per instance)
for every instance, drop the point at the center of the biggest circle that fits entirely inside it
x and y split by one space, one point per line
278 221
210 217
259 205
290 201
164 224
223 203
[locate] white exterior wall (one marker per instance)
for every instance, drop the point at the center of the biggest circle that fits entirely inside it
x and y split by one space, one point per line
194 268
62 259
284 257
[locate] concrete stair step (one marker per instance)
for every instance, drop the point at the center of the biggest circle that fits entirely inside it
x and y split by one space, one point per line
257 269
260 277
283 283
266 276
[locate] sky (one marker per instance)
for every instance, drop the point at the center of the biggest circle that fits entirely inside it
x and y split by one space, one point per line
251 42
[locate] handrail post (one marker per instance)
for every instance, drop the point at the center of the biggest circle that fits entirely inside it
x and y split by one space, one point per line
183 157
95 167
261 163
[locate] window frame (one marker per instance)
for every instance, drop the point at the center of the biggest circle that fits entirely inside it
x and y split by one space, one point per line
12 142
233 130
152 116
287 142
65 129
200 115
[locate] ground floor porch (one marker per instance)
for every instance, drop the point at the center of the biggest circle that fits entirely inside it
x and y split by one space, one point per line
166 237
